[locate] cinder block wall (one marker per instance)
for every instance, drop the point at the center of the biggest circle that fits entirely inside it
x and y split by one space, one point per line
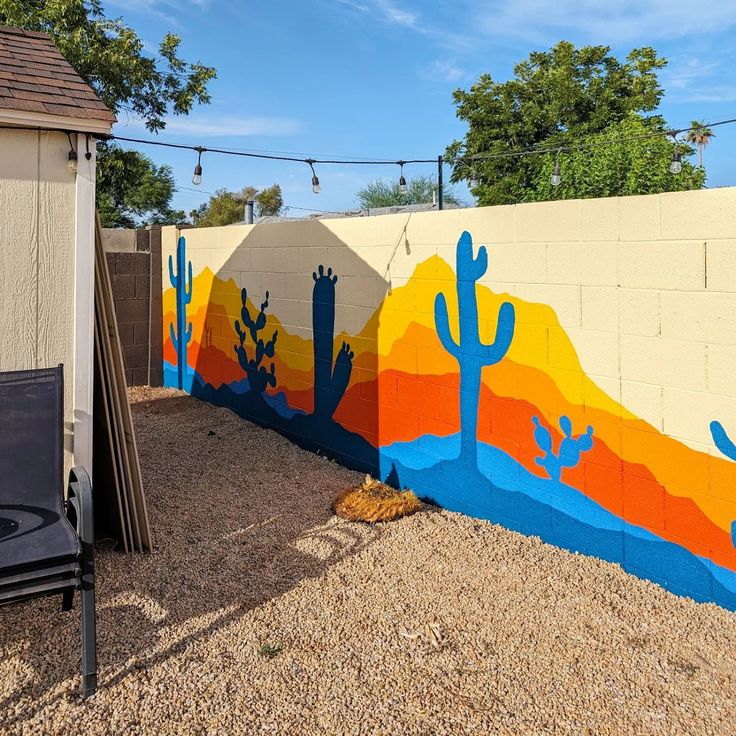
134 260
624 322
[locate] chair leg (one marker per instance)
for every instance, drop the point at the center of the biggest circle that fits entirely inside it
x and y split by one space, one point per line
89 641
80 500
67 600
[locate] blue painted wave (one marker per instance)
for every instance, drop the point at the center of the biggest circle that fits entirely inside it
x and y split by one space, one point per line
278 402
171 377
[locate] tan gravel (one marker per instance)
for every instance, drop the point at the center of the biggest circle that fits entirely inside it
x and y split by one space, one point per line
434 624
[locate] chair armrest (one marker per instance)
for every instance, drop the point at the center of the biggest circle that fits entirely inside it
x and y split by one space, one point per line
79 499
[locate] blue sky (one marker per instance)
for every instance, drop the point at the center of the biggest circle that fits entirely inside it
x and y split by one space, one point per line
374 78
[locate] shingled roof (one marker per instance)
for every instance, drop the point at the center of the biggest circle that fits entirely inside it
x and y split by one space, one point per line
35 77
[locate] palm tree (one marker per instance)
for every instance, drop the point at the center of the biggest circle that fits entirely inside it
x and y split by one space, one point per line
700 135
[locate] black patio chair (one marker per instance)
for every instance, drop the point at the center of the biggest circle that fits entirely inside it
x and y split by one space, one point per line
46 545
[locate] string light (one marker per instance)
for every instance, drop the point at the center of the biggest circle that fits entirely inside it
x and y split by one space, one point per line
197 177
676 163
73 162
402 180
556 178
315 180
540 149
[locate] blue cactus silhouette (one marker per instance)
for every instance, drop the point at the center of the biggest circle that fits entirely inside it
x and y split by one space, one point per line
724 443
570 450
722 440
330 383
258 376
470 353
183 286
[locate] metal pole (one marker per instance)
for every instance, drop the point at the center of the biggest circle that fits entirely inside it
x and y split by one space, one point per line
440 197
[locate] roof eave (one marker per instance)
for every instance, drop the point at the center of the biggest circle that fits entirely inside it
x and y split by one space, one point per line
45 120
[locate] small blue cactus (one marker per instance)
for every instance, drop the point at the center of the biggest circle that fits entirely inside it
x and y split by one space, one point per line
183 285
722 440
728 448
570 448
330 382
258 376
471 354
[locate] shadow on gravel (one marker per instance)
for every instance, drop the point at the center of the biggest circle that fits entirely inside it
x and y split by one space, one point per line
239 516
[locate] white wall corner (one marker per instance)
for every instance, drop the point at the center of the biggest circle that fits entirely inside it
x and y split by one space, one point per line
84 303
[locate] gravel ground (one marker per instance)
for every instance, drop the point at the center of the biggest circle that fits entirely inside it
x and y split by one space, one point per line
434 624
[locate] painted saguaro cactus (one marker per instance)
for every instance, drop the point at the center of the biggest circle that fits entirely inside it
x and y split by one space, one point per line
258 376
330 382
471 354
183 284
568 455
728 448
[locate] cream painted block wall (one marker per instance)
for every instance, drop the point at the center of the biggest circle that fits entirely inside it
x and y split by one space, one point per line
37 259
645 287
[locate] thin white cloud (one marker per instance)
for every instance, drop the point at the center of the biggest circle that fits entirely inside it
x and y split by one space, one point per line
228 125
165 9
701 75
397 15
386 10
158 5
464 23
603 21
447 71
401 15
362 7
685 73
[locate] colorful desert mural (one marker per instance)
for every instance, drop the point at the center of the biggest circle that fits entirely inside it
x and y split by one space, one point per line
474 399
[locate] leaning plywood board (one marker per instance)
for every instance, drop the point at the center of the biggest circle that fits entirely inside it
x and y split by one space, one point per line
122 410
108 455
113 521
110 381
126 473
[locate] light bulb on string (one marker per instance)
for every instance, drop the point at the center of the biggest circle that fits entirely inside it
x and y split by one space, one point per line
402 180
676 162
315 179
556 178
72 159
197 176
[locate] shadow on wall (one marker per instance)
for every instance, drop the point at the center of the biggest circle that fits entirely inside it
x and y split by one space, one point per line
277 347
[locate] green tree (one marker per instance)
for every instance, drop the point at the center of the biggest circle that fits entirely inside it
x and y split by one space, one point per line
223 208
556 98
700 136
269 201
622 160
419 190
147 202
226 208
110 57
